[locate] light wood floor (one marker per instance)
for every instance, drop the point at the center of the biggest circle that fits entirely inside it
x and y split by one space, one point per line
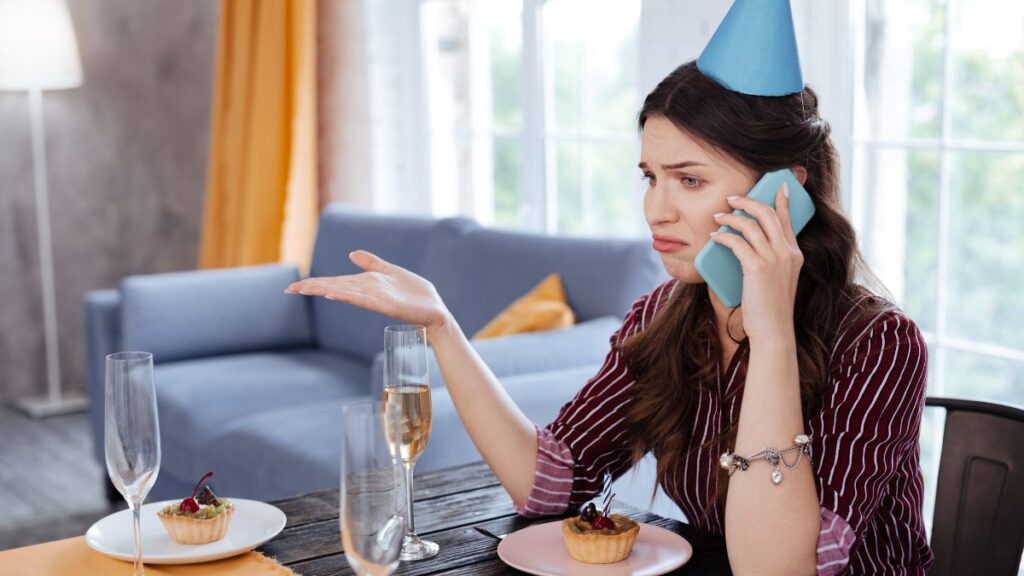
50 485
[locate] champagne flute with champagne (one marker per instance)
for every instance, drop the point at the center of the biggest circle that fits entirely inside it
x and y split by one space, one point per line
407 397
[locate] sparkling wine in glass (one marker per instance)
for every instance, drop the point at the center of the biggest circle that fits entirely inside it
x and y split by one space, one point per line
407 397
132 433
372 492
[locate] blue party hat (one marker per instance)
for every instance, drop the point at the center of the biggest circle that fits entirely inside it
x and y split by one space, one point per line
754 50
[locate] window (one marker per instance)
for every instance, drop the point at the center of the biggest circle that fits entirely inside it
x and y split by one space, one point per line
531 113
938 182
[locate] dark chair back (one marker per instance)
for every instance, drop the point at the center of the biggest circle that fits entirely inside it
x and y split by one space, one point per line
978 526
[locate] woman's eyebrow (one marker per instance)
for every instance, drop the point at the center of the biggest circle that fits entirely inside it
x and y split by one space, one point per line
675 166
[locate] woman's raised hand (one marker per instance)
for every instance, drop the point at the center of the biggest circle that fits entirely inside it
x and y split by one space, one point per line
771 261
383 287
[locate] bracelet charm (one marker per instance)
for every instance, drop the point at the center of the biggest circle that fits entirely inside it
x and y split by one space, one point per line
732 462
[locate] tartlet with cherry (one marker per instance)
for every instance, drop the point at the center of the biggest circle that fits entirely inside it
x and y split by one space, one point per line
198 519
597 537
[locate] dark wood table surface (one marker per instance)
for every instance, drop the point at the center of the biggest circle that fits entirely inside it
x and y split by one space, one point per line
449 503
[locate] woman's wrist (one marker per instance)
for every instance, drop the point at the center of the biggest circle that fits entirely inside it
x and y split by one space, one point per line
779 340
444 328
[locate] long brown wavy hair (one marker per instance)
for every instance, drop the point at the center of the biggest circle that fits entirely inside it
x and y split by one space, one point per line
670 360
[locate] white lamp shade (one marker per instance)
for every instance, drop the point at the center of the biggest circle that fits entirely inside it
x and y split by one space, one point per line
38 49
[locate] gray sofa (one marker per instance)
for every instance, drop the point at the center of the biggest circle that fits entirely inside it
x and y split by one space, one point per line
250 381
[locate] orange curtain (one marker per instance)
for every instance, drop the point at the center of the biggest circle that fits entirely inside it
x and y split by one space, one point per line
261 191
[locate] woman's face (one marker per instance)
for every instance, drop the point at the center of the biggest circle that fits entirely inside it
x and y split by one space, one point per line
688 182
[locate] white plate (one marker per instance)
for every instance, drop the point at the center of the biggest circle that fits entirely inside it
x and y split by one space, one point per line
540 550
253 524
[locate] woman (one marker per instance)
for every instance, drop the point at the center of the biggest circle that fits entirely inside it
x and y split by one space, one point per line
808 352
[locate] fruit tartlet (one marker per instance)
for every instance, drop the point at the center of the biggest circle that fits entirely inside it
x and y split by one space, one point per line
598 537
198 519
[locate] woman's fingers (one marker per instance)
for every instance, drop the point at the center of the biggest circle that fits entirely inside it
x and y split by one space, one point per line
318 286
749 228
369 261
355 295
785 218
307 287
322 286
348 289
765 216
740 247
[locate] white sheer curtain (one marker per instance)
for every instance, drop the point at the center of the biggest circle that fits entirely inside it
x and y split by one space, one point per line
373 107
343 98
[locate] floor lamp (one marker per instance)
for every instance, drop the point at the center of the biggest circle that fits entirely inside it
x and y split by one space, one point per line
38 51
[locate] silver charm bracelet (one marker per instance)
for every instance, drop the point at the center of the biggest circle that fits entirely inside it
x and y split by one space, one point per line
773 456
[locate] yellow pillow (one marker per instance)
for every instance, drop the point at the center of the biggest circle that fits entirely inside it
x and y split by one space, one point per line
543 308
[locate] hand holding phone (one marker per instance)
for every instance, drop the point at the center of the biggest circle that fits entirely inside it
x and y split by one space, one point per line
719 266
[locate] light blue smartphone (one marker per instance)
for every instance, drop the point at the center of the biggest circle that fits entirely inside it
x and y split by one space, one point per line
719 266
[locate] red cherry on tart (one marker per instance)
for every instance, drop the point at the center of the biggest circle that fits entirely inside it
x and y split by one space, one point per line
189 504
603 523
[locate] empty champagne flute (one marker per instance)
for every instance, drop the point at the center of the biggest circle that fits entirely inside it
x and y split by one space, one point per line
132 433
372 500
407 396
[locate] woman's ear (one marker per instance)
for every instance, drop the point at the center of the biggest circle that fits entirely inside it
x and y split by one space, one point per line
801 174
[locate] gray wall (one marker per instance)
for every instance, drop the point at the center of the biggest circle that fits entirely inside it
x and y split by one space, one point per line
127 168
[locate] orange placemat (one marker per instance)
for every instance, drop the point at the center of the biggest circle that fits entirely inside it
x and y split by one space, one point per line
73 557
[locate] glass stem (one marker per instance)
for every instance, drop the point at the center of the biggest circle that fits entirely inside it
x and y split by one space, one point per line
409 466
137 537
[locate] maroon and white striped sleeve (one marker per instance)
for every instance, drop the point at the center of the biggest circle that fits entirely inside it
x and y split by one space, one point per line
869 424
588 437
552 478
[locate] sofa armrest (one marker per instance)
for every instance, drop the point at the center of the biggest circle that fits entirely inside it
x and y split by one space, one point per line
584 344
198 313
101 315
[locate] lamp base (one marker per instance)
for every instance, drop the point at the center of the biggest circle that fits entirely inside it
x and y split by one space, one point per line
44 406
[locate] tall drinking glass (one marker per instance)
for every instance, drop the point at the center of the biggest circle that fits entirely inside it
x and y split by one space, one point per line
132 433
372 498
407 396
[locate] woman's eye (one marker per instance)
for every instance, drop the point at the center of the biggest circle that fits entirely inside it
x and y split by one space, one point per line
649 178
691 182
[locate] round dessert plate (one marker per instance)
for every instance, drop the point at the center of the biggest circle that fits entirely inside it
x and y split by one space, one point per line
253 524
540 550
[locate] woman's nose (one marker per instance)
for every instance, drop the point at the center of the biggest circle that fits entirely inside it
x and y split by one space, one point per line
659 209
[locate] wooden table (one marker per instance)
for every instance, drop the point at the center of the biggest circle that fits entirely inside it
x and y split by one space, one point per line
449 503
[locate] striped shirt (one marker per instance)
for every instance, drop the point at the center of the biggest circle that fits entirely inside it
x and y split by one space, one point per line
865 444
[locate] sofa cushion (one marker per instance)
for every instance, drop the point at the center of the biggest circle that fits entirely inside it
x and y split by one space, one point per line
303 443
601 277
196 399
210 312
541 309
402 240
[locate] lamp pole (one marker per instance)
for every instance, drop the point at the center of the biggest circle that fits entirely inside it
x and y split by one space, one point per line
54 402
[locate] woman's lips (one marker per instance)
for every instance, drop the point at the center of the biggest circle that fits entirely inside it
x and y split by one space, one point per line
664 244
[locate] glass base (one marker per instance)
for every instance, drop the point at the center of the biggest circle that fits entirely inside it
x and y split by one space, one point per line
415 549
